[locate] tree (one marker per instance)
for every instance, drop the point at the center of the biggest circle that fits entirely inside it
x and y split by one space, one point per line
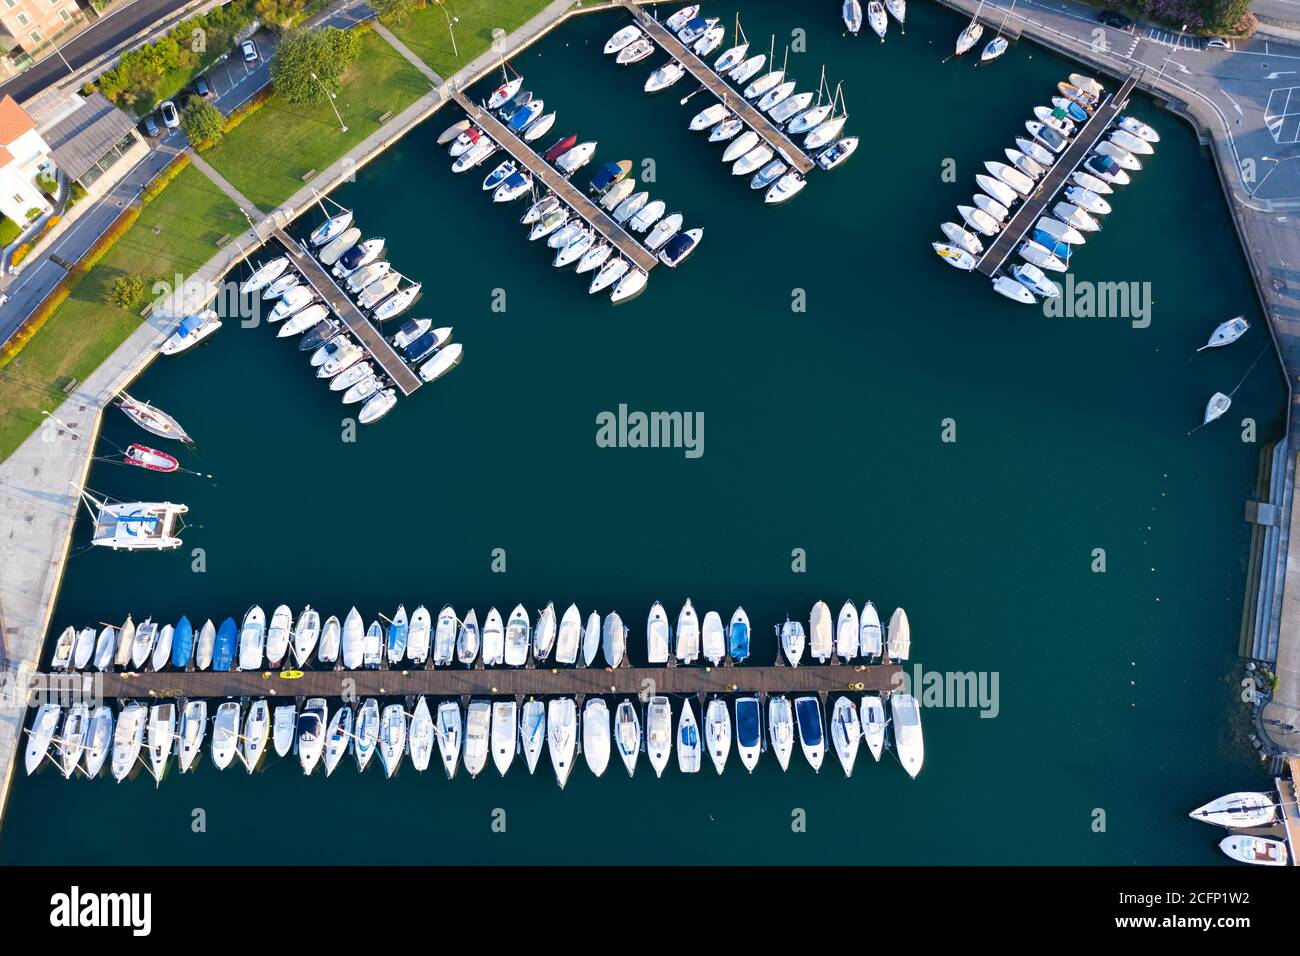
201 121
325 53
395 11
125 292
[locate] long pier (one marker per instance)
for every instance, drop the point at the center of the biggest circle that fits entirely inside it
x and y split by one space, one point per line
731 98
1085 138
544 172
376 346
496 681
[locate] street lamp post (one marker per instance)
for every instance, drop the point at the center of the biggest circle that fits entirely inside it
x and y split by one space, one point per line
442 5
331 98
1276 163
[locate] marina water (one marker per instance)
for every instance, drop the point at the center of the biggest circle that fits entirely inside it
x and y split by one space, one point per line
1117 703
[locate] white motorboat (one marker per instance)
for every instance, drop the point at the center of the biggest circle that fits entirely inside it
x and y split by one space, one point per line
656 636
1022 184
980 221
647 216
1026 164
905 714
674 252
851 14
368 274
303 320
1046 136
714 639
444 636
468 641
709 116
573 159
688 740
1216 407
658 732
595 735
359 372
995 209
821 643
162 648
746 70
417 635
682 17
311 733
520 184
957 258
551 222
397 303
569 636
544 633
1057 119
362 390
1238 811
504 734
1106 169
372 647
532 731
752 160
629 286
780 727
252 639
278 634
447 730
366 740
877 19
194 728
141 643
517 637
108 641
1060 231
1134 144
1138 128
730 58
392 738
635 52
1226 333
264 275
476 154
1032 278
627 734
354 640
1252 849
299 297
962 238
695 28
1087 199
477 719
160 738
562 736
330 641
493 639
812 732
283 724
338 739
709 41
1038 255
664 230
442 362
846 632
506 91
768 81
257 728
1009 287
630 206
665 76
836 153
128 737
846 733
191 330
225 734
686 648
622 38
84 649
790 106
810 118
358 257
591 639
334 226
793 641
72 738
125 641
1072 215
872 713
99 740
869 640
463 143
1034 151
614 639
344 357
1122 156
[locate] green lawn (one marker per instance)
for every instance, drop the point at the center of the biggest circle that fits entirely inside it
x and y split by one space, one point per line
266 156
425 32
190 215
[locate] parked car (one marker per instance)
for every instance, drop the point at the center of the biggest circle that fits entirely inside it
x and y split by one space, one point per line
1217 43
249 49
150 127
171 119
1113 18
203 87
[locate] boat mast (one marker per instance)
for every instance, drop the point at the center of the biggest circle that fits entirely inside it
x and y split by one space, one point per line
1006 17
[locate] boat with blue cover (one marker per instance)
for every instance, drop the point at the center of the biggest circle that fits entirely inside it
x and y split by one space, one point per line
738 636
223 649
182 643
1055 246
609 174
749 731
397 632
812 735
522 117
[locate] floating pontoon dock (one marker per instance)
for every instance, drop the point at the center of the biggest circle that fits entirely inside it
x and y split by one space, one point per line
1082 143
731 98
570 195
367 335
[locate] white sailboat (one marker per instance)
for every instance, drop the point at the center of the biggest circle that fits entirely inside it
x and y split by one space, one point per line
505 719
851 13
257 728
444 637
595 735
846 733
477 718
1240 810
717 732
447 730
544 633
793 641
1226 333
900 636
627 734
532 731
72 739
225 734
561 736
1216 407
366 740
468 641
688 740
656 635
872 713
128 738
338 739
780 727
846 632
161 738
971 34
99 740
194 728
613 639
569 637
392 738
306 634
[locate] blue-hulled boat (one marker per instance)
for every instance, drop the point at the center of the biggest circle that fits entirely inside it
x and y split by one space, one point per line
609 174
749 731
1052 245
397 631
223 649
738 636
524 116
182 643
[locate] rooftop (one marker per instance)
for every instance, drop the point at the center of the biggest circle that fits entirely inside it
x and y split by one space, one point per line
83 136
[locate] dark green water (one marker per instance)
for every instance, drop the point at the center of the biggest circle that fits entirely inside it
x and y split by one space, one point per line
822 432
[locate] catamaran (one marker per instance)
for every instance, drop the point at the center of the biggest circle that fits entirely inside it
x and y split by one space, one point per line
595 735
846 733
780 727
658 733
812 735
561 736
448 731
905 712
505 721
627 734
532 731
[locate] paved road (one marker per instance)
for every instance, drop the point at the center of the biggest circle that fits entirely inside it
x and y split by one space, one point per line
120 23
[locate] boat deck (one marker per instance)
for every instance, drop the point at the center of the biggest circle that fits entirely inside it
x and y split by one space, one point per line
553 179
728 95
1024 218
376 346
496 681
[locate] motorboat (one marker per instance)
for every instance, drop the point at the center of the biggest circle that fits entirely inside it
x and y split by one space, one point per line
810 118
141 646
252 639
999 190
160 738
517 637
717 734
1034 151
665 76
282 285
995 209
877 19
467 139
125 641
869 639
682 17
1038 255
647 216
574 159
658 733
504 734
1060 231
846 732
468 641
515 185
107 641
969 36
345 380
442 362
1056 118
695 28
493 637
476 154
504 92
793 641
1238 811
872 713
610 272
444 636
746 70
980 221
398 630
366 740
397 303
780 727
257 728
1088 84
1106 169
1046 136
726 130
1260 851
709 41
738 636
591 639
72 739
664 230
569 636
627 734
331 640
1057 247
688 740
562 736
544 633
846 632
821 643
264 275
1087 199
1072 109
613 639
680 246
283 725
359 256
225 734
334 249
574 249
1226 333
955 257
962 238
417 635
523 117
905 714
1009 287
790 106
752 160
1122 157
63 649
190 331
128 738
551 222
739 146
1072 215
1083 98
311 733
616 193
278 634
447 730
635 52
539 127
1138 128
1033 279
330 228
714 639
609 174
851 14
303 320
392 738
532 731
686 647
367 274
84 647
1216 407
338 738
477 717
630 286
293 301
224 645
656 635
1026 164
622 38
837 152
98 740
162 648
730 58
595 735
812 734
353 640
749 731
1012 177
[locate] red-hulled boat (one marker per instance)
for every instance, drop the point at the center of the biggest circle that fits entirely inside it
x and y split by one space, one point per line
145 457
560 148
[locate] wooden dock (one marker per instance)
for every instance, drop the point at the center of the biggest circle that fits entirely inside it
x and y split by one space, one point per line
488 682
1082 143
733 99
548 175
376 346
